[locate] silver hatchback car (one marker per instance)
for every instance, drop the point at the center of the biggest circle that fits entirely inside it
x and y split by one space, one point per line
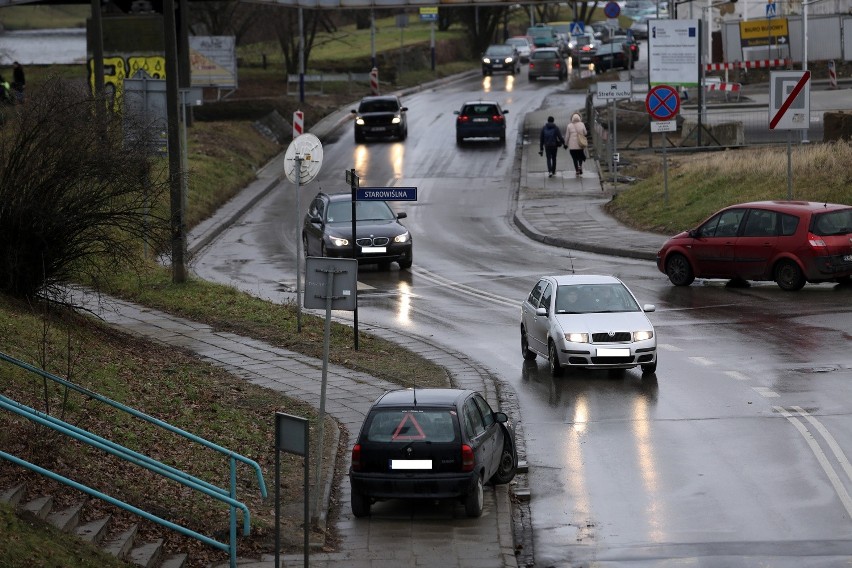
587 321
547 62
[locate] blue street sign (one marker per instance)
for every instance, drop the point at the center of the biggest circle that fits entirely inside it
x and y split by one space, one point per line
386 194
770 9
612 9
577 28
662 102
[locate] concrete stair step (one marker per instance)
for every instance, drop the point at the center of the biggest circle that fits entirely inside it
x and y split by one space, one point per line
148 555
66 520
93 531
40 506
174 561
121 545
13 495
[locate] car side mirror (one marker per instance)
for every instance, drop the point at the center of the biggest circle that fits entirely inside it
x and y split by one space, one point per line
501 417
692 233
403 109
315 219
505 111
649 307
541 311
401 215
353 111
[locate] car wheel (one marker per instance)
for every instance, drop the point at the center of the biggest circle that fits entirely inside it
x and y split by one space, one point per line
403 134
359 138
406 263
679 271
459 140
649 368
789 276
556 368
525 347
532 78
506 470
473 500
360 505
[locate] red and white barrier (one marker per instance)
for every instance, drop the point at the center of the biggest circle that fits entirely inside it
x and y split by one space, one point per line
298 123
374 81
832 75
764 63
727 87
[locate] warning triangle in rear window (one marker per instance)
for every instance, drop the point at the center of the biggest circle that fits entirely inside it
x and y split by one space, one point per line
408 429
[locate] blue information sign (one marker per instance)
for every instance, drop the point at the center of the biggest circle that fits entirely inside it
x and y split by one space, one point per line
612 9
386 194
662 102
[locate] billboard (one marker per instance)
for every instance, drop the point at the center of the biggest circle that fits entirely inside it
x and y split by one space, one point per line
673 52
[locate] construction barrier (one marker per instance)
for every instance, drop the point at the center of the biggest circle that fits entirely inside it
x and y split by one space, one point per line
765 63
725 88
298 123
374 81
832 75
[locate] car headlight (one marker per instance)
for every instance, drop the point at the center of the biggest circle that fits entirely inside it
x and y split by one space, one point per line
642 335
359 121
486 60
339 241
403 238
577 337
509 59
396 120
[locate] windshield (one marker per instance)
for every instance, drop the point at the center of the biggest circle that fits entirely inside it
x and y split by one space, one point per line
341 211
594 298
407 425
383 105
833 223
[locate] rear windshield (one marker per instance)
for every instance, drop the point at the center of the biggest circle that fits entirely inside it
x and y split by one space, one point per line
409 425
480 110
545 55
382 105
833 223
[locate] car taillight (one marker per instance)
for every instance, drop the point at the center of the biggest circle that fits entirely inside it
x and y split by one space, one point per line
464 118
497 118
356 457
815 241
558 65
467 458
532 64
633 48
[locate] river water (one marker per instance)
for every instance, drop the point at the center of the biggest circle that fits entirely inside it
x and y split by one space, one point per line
43 47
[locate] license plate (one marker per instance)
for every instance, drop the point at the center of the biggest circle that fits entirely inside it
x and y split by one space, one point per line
605 352
378 129
411 464
497 65
373 250
480 120
847 258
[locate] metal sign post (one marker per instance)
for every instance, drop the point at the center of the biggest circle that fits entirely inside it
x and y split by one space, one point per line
352 179
331 283
612 91
291 435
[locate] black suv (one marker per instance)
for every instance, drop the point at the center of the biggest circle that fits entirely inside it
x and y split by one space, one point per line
380 116
327 231
431 444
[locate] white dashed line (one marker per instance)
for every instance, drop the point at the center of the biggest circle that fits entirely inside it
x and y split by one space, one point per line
736 375
668 347
702 361
765 392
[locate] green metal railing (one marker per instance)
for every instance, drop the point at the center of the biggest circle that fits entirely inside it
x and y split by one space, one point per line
227 496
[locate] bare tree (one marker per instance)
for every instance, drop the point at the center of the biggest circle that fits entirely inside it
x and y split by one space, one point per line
225 18
482 23
287 30
76 198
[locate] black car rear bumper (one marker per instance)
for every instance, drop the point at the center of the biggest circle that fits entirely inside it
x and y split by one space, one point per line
412 485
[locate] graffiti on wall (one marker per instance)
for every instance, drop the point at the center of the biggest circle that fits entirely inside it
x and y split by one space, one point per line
118 68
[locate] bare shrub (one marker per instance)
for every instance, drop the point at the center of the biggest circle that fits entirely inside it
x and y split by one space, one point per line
77 194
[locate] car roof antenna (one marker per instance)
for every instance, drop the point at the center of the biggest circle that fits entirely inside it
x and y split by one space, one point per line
414 387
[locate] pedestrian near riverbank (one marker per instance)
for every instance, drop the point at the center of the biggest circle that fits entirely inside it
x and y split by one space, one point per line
549 142
576 134
19 81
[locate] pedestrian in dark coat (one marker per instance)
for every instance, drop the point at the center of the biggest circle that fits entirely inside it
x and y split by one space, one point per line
19 81
549 142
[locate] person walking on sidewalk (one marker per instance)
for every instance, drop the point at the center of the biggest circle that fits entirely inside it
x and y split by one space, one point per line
576 133
549 142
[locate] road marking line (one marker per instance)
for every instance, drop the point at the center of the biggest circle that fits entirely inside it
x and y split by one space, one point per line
465 289
736 375
832 443
821 458
765 392
668 347
702 361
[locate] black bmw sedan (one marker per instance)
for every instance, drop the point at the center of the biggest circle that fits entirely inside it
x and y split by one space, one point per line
381 239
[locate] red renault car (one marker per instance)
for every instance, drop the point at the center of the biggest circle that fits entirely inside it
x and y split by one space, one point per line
789 242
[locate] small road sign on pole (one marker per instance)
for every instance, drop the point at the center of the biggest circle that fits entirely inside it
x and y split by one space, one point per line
789 100
662 102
